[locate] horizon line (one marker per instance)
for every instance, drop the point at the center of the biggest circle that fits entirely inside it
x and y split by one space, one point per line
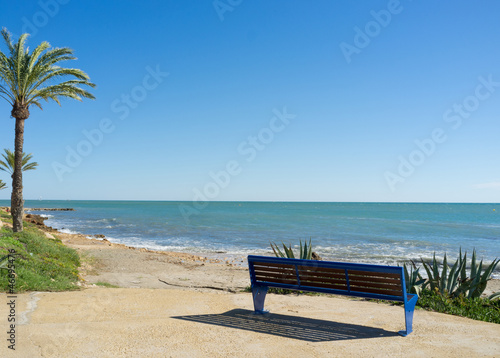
271 201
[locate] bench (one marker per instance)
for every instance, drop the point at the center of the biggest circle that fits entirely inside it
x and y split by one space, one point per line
339 278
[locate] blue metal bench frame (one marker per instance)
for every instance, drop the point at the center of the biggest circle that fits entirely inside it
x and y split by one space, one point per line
339 278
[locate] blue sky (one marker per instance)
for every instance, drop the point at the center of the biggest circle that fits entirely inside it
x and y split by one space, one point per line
267 100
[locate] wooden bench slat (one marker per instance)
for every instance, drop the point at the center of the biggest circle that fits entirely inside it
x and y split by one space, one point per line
340 273
272 264
394 291
375 287
373 274
273 269
320 274
319 269
263 277
377 291
323 279
277 280
388 281
378 287
323 285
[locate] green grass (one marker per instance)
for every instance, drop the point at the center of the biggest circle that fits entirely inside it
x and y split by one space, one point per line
41 264
480 309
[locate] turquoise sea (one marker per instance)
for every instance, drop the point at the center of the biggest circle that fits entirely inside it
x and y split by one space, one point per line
363 232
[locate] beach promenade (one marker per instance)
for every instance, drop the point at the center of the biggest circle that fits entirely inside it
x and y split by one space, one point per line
131 322
179 305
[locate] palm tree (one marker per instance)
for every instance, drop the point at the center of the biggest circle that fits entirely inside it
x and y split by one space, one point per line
25 79
7 165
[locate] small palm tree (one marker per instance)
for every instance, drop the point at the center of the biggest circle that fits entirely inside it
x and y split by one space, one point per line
2 185
25 79
7 165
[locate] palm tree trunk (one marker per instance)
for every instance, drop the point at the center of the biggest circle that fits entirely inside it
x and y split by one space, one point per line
16 201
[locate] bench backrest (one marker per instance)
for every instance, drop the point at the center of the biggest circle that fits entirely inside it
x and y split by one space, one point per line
360 280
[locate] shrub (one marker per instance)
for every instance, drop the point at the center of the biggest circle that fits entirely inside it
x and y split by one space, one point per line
41 264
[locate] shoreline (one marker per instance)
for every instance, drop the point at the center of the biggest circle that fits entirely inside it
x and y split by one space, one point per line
131 267
229 265
160 227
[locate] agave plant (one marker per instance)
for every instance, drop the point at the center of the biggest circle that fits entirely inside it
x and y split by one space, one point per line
454 281
444 282
305 251
479 279
414 281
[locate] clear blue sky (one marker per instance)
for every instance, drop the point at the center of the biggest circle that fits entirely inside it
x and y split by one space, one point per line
363 82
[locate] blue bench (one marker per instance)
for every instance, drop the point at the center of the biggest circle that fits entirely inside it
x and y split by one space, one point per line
339 278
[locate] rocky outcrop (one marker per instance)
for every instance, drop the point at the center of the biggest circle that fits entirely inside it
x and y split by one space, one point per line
35 219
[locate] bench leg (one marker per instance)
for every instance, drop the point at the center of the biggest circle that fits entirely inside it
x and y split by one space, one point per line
259 296
409 309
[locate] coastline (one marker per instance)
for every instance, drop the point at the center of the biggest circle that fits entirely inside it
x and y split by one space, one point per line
128 266
131 267
386 234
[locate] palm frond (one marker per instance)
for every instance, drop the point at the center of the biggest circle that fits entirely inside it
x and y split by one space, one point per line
7 165
8 39
27 76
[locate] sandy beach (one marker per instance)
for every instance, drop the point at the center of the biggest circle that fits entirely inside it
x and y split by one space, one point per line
180 305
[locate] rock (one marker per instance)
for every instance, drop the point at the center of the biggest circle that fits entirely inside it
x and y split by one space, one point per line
34 219
99 236
315 256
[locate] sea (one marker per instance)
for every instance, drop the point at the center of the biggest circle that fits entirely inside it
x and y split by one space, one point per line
383 233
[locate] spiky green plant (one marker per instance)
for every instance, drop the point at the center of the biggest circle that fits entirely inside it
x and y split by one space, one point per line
305 251
7 164
444 282
26 79
454 281
414 281
2 185
479 279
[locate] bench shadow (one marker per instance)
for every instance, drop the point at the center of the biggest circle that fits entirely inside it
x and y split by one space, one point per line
305 329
